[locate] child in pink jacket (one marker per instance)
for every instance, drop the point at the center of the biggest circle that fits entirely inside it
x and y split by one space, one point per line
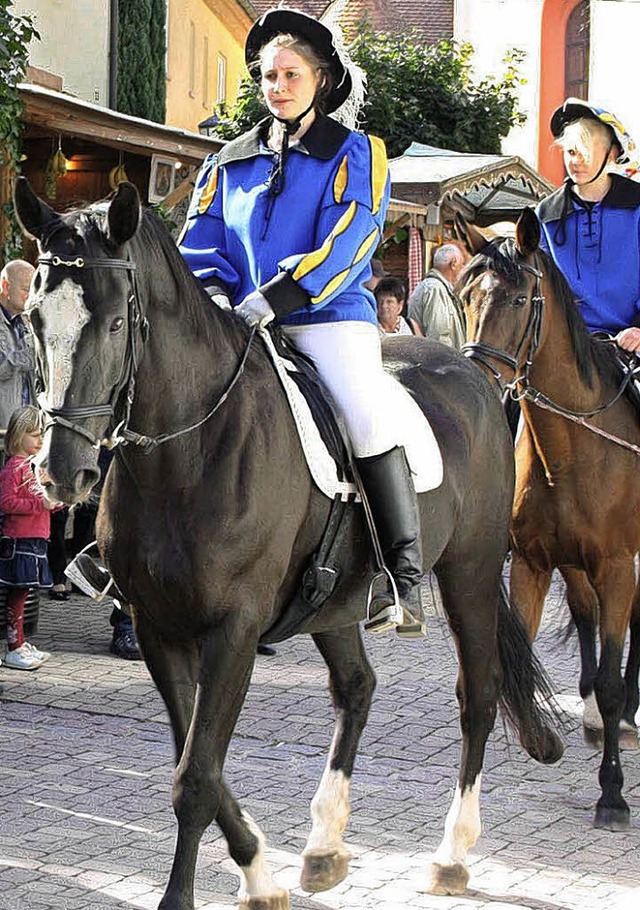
25 532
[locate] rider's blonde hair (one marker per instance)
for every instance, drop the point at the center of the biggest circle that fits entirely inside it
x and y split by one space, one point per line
581 134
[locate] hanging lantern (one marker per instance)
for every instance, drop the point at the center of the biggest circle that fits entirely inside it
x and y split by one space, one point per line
117 174
57 166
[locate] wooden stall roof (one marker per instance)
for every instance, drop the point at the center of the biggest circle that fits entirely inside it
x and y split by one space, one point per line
55 113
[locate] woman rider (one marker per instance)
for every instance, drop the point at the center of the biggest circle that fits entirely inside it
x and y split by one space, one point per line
591 225
282 226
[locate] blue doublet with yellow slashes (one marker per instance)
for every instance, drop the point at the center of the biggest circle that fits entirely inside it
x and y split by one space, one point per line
307 249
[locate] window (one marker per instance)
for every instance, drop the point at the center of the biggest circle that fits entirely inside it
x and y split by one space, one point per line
205 72
576 78
221 89
192 59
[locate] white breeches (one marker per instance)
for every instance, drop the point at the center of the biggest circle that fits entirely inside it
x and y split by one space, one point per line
348 357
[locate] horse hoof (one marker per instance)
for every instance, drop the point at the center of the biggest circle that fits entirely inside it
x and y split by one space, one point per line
322 870
278 901
446 879
613 818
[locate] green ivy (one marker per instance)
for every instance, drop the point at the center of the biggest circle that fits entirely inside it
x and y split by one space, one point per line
415 93
15 34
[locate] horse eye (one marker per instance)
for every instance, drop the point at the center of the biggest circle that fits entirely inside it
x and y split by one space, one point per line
116 325
522 300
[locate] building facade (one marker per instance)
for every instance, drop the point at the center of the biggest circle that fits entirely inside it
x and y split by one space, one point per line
584 48
74 46
205 56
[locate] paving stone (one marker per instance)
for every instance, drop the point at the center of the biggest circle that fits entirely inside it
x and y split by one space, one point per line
87 756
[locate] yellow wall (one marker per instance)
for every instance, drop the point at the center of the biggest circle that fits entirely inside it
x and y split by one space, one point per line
219 25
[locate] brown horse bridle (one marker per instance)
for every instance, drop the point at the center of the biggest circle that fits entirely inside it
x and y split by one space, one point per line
480 351
138 331
520 387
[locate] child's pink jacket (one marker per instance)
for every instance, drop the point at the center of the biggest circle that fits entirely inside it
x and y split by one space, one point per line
22 502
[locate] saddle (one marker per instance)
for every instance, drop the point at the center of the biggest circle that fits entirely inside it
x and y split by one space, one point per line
328 454
322 433
628 364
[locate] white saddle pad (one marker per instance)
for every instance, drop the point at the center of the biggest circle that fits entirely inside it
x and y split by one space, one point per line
420 443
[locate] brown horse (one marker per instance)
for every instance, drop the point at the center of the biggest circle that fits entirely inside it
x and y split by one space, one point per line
577 495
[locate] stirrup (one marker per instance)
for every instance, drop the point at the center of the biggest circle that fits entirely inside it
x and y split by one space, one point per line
388 616
75 573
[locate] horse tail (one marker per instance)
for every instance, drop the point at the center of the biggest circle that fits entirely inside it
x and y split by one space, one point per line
527 698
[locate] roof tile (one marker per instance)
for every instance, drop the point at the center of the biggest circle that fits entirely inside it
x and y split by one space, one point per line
433 19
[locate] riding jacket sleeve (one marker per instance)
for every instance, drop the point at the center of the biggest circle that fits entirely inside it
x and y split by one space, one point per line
349 227
203 239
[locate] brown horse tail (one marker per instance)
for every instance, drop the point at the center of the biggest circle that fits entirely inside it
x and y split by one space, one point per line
527 697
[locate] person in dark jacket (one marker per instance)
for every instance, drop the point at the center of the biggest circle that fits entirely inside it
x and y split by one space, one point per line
591 225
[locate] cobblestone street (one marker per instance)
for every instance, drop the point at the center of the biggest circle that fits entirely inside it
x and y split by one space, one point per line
86 759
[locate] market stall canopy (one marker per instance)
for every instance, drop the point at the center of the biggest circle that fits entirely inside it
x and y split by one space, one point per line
484 188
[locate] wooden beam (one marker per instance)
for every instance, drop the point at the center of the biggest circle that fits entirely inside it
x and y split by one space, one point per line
183 189
58 114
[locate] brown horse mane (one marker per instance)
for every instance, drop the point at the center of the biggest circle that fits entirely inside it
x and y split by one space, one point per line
592 354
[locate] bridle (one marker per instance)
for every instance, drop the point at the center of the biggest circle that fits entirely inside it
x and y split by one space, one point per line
480 351
138 332
520 388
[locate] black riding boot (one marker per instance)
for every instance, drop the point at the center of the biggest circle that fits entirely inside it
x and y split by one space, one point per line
394 505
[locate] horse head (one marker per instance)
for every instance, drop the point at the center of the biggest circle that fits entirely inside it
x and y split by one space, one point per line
81 308
501 293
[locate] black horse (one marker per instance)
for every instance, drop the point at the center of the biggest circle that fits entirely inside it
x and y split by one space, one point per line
208 534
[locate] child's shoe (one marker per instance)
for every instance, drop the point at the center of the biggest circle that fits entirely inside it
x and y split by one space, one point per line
22 658
41 655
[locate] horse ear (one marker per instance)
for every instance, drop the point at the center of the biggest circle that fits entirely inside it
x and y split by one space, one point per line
527 232
468 234
124 213
33 214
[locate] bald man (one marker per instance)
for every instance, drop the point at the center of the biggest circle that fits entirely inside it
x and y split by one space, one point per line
16 348
434 304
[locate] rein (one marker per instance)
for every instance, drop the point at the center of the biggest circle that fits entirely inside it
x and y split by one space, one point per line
138 325
520 388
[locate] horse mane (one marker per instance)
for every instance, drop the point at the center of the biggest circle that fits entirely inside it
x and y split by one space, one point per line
153 246
592 354
158 247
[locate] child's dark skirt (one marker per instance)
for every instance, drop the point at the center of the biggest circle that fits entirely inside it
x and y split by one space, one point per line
23 563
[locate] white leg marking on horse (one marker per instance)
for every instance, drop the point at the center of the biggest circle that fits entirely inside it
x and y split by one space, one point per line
462 827
591 717
257 881
329 811
64 315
